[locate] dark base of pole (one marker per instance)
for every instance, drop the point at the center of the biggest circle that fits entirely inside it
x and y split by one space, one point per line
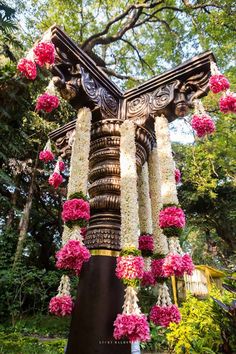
100 298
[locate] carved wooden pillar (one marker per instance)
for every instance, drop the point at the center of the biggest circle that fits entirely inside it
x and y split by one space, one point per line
82 83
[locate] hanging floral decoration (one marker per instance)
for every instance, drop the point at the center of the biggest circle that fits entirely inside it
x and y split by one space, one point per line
131 324
44 53
146 245
47 102
164 312
62 304
201 122
177 176
76 212
228 102
217 81
157 268
148 279
28 68
56 178
46 155
172 217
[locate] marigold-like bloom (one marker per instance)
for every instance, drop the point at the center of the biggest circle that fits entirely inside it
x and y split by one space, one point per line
157 268
46 156
75 209
61 305
44 53
28 68
173 265
146 243
47 102
203 125
228 103
133 327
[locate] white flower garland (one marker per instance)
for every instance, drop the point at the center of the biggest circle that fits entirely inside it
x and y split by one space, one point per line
145 211
163 295
160 241
64 287
166 161
79 165
128 183
130 306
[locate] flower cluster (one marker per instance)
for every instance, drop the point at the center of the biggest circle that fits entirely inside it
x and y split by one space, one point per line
146 244
172 217
228 103
203 124
157 268
164 315
133 327
130 267
218 83
177 175
61 166
46 156
61 305
76 211
187 264
72 255
28 68
47 102
55 180
44 53
148 279
173 265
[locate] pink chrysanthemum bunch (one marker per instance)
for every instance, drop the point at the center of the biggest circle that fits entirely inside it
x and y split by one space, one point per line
133 327
148 279
61 305
28 68
203 124
157 268
44 53
228 103
46 156
130 268
146 244
72 256
177 175
172 265
218 83
164 315
172 220
47 102
187 264
76 211
55 180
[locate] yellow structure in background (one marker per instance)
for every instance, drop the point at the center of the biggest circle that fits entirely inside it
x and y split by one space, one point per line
198 284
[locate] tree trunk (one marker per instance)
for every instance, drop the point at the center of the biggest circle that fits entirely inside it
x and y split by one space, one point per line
24 221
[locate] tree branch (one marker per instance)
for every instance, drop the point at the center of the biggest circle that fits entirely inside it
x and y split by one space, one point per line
119 76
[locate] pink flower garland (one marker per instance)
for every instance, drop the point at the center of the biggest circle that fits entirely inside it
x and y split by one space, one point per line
173 265
55 180
61 305
27 68
172 217
44 53
228 103
148 279
218 83
177 175
75 209
164 315
47 102
133 327
61 166
203 125
72 255
157 268
46 156
146 243
129 267
187 264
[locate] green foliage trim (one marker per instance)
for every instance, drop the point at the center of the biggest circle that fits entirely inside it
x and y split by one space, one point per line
78 195
130 251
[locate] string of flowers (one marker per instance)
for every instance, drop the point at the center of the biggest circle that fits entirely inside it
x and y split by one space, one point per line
62 304
76 210
131 324
56 178
171 217
201 122
46 155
